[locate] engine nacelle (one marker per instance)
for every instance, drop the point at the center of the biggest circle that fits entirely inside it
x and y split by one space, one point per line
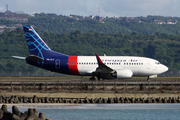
123 74
152 76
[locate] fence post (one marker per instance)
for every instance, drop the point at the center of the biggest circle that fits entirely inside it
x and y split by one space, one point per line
126 86
160 86
92 86
148 86
69 86
22 86
103 86
115 85
81 85
46 86
34 85
11 87
58 85
137 86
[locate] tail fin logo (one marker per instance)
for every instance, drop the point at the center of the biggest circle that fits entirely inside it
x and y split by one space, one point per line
35 43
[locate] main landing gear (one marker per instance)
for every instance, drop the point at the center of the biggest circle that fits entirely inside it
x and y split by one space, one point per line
92 78
148 79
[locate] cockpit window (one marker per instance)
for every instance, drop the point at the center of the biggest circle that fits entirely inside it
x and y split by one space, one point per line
157 63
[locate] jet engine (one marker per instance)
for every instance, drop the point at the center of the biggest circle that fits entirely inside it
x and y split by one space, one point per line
122 73
152 76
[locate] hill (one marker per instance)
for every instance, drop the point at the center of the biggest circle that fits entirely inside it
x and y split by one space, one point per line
53 23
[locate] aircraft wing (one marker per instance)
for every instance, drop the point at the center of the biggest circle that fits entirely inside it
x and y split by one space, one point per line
102 68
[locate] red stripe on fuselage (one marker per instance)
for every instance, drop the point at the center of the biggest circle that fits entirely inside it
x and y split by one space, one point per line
72 64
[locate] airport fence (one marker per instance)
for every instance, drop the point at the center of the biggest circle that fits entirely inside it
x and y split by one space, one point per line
91 86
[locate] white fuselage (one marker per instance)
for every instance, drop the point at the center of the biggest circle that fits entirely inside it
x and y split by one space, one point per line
140 66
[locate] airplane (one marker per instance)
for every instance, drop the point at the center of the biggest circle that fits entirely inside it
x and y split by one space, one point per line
100 67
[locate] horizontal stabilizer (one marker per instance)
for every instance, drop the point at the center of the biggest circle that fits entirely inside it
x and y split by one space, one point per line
23 58
34 58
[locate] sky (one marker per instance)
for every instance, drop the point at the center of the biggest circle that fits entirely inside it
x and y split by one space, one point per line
110 8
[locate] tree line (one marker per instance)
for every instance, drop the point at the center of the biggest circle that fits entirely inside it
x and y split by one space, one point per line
162 47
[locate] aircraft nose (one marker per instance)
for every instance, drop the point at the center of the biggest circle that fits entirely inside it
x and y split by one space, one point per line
164 68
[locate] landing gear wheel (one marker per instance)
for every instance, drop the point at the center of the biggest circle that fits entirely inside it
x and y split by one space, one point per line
148 79
92 78
99 78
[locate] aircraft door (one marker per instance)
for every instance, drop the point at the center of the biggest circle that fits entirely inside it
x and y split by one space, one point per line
148 64
57 63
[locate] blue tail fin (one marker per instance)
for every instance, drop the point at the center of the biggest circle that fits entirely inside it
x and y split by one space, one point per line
35 43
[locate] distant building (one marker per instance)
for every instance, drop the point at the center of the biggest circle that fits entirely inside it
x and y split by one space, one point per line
171 21
159 22
19 12
100 19
131 19
16 16
8 13
91 16
115 17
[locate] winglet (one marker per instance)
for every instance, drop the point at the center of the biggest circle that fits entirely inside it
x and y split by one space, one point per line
99 60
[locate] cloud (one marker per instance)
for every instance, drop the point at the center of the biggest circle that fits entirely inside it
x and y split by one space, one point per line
139 7
2 9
